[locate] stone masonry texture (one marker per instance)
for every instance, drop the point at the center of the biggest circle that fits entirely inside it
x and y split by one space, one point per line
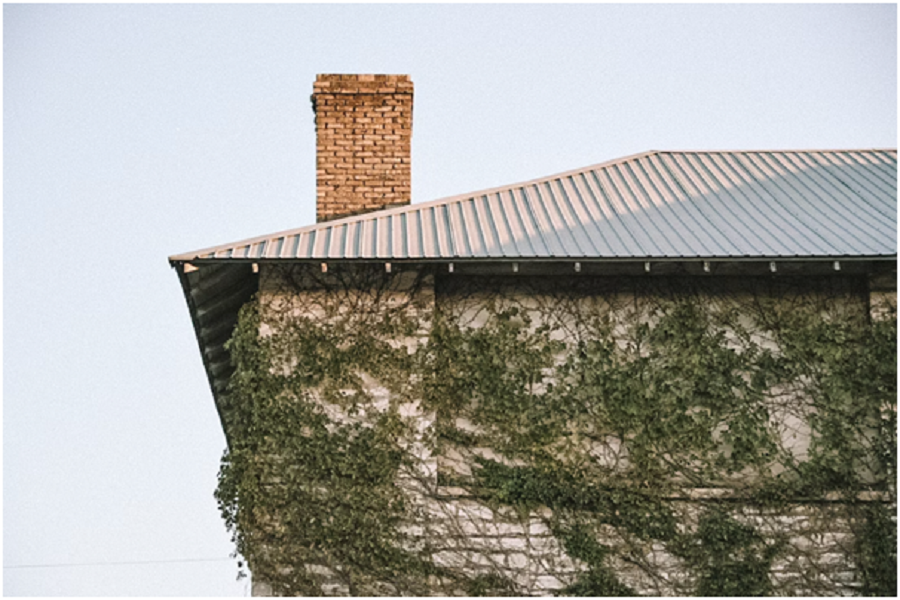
465 533
363 141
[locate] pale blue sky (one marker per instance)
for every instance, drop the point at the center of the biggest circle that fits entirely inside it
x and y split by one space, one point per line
135 132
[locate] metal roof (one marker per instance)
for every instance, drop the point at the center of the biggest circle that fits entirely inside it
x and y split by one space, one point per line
723 204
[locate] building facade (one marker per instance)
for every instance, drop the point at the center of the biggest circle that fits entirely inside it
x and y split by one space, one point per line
665 374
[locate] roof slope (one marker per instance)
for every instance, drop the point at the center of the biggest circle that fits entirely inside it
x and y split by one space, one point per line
651 205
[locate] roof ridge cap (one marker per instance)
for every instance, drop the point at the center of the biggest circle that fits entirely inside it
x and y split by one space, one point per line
782 150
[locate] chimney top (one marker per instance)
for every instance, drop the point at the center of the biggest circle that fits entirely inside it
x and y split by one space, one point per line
350 84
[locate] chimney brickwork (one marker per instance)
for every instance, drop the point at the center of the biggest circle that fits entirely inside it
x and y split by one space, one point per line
363 141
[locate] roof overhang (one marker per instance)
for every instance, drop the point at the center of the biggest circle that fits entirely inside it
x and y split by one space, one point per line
215 290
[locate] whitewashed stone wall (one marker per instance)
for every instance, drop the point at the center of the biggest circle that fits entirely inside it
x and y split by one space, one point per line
462 532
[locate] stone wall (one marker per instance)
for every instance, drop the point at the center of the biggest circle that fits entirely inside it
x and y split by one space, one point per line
816 559
461 531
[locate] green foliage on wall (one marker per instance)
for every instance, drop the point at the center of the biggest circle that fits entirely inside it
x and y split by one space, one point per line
604 414
298 487
876 552
732 558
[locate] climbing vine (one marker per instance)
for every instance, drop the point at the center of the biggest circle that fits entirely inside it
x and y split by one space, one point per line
736 438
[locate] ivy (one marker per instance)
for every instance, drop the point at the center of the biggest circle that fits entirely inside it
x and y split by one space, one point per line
298 488
598 579
608 412
490 584
732 558
876 548
639 511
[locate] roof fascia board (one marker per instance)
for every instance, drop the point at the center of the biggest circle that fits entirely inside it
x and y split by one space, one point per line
559 259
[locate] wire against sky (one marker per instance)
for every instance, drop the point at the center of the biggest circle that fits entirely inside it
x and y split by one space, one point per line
118 563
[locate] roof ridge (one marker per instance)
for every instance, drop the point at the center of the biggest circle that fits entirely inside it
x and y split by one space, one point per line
774 150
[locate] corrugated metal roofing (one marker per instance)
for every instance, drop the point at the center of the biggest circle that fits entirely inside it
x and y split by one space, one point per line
651 205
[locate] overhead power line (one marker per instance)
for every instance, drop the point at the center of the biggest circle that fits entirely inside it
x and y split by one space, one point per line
118 563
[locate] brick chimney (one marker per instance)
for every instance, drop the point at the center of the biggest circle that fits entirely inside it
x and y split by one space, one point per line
363 135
